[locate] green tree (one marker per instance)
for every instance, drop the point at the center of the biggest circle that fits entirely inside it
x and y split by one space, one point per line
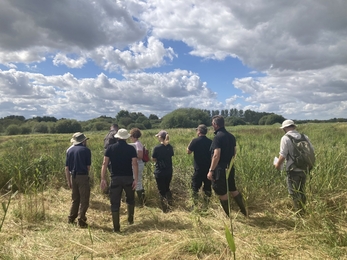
13 130
185 117
67 126
121 114
41 127
125 121
234 121
25 130
153 117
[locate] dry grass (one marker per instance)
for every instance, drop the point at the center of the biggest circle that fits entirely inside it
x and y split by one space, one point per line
271 232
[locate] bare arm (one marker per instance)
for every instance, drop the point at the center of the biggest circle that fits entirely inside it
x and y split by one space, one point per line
68 176
214 162
139 154
279 163
103 183
135 171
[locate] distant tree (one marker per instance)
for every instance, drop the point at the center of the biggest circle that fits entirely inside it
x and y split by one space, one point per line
25 130
121 114
68 126
125 121
185 117
41 127
147 124
45 119
153 117
137 125
234 121
100 126
271 119
12 117
13 130
141 118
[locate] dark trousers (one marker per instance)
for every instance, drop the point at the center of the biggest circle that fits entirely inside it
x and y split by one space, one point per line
163 183
118 184
296 187
80 197
199 178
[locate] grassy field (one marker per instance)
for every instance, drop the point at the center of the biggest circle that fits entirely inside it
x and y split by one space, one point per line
33 221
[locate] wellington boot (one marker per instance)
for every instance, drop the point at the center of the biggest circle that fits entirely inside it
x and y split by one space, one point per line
164 204
225 206
168 196
115 220
239 201
131 210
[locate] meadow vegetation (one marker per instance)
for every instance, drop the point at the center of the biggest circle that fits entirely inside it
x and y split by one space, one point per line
35 203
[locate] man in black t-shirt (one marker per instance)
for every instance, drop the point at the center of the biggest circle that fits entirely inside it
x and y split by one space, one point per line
202 161
223 149
124 174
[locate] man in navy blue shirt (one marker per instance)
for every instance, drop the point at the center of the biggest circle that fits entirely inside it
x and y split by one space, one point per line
77 167
124 175
223 149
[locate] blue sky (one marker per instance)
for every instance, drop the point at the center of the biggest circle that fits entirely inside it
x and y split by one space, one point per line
82 59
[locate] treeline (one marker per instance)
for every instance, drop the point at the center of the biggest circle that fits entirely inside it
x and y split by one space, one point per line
179 118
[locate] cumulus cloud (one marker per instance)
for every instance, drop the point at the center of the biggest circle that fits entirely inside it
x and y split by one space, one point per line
295 52
149 93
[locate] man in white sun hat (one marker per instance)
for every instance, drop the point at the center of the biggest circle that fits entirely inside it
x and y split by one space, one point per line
77 167
296 174
124 175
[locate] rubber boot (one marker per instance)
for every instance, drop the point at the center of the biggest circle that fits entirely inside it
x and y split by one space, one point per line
131 209
164 204
225 206
115 220
141 197
169 198
239 201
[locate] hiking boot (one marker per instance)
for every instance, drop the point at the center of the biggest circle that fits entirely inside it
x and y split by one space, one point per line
71 220
131 209
115 221
239 201
82 223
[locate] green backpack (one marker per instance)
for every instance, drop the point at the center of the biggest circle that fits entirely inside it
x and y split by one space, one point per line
303 153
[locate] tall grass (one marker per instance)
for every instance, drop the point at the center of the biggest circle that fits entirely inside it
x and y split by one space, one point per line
36 165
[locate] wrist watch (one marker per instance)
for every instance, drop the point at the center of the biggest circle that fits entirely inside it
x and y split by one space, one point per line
211 170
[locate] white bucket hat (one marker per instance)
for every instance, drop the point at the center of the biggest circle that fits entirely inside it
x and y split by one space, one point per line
122 134
287 123
78 138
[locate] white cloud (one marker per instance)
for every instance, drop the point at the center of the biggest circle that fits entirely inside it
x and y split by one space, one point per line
299 48
59 96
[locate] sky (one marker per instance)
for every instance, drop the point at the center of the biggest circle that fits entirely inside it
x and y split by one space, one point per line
83 59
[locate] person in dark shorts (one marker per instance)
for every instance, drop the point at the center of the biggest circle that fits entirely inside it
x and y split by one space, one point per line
223 149
124 174
202 161
77 167
162 156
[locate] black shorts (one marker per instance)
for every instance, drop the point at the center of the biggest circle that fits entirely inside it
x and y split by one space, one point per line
219 184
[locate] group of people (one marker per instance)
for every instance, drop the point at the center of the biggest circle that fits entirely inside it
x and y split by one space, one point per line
213 169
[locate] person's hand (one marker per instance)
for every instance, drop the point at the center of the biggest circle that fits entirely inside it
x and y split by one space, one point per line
210 176
70 185
103 185
134 184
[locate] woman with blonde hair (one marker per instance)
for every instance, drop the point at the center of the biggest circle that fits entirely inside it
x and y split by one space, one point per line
135 134
162 156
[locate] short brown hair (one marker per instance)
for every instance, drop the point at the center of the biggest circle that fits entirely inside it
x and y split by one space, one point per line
218 120
135 132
